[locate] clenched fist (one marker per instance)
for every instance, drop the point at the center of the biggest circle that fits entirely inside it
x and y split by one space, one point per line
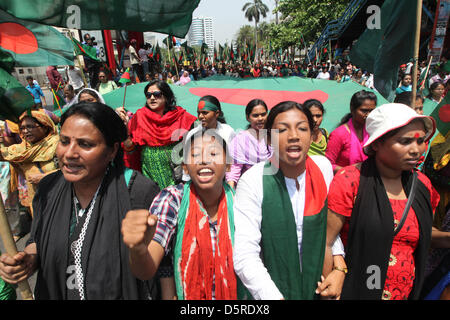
138 229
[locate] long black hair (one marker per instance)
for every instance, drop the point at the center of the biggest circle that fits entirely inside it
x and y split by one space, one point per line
357 101
171 102
106 120
251 105
308 104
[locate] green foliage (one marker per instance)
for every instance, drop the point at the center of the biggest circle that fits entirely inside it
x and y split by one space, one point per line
307 17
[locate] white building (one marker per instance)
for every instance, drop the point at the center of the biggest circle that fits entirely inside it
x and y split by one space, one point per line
202 31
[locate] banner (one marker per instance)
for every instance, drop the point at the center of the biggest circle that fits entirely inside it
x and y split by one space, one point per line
234 94
439 30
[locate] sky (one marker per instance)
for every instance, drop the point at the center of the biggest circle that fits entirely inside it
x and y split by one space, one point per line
228 16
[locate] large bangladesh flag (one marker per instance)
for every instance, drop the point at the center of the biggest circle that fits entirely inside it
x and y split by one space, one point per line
33 44
234 94
170 17
384 48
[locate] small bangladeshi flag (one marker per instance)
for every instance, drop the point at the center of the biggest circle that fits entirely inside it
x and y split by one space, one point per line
32 44
125 78
84 50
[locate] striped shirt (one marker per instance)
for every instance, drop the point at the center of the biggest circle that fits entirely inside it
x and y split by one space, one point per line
165 206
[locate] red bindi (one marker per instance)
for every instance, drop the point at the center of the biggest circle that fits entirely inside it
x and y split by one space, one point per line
416 135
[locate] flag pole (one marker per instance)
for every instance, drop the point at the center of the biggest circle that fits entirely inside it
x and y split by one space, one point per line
422 86
56 99
416 50
124 95
11 249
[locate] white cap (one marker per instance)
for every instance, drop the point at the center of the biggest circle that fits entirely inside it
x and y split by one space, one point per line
391 116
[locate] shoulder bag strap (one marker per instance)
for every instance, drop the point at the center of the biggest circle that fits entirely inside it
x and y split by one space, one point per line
411 196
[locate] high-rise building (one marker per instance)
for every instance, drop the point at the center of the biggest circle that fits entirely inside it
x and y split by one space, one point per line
202 31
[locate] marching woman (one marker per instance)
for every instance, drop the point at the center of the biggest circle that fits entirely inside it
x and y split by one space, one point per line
319 135
193 222
210 116
435 97
34 157
250 146
383 209
344 147
154 130
405 84
75 242
280 212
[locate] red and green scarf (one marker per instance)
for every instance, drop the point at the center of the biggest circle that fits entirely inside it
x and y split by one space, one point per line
195 263
279 233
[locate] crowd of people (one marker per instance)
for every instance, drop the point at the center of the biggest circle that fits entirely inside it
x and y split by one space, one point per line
163 204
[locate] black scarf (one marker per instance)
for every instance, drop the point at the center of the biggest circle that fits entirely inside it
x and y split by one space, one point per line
105 258
371 234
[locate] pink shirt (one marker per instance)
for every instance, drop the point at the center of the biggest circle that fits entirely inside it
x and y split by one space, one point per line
344 148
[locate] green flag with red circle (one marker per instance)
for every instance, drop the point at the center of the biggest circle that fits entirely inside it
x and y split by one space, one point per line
442 115
32 44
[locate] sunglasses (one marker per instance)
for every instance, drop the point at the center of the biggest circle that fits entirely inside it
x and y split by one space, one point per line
156 94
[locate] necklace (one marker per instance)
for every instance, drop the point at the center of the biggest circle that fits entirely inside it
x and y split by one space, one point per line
77 246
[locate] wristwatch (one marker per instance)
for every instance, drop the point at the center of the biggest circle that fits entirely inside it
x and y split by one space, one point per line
344 270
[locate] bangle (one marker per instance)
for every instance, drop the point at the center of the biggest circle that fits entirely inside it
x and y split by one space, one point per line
344 270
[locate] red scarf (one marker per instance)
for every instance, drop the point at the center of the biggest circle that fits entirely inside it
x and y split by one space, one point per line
150 129
198 264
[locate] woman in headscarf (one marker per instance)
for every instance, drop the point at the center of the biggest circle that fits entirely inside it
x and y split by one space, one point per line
85 95
34 157
154 130
383 209
280 212
75 243
345 144
198 216
184 79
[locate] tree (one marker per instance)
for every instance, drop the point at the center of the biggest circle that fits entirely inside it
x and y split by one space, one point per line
307 17
253 12
245 36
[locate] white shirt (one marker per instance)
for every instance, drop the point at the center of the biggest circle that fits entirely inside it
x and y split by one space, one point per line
248 264
323 75
133 54
75 79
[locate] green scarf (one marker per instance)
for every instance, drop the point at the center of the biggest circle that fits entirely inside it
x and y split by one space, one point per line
183 213
279 235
